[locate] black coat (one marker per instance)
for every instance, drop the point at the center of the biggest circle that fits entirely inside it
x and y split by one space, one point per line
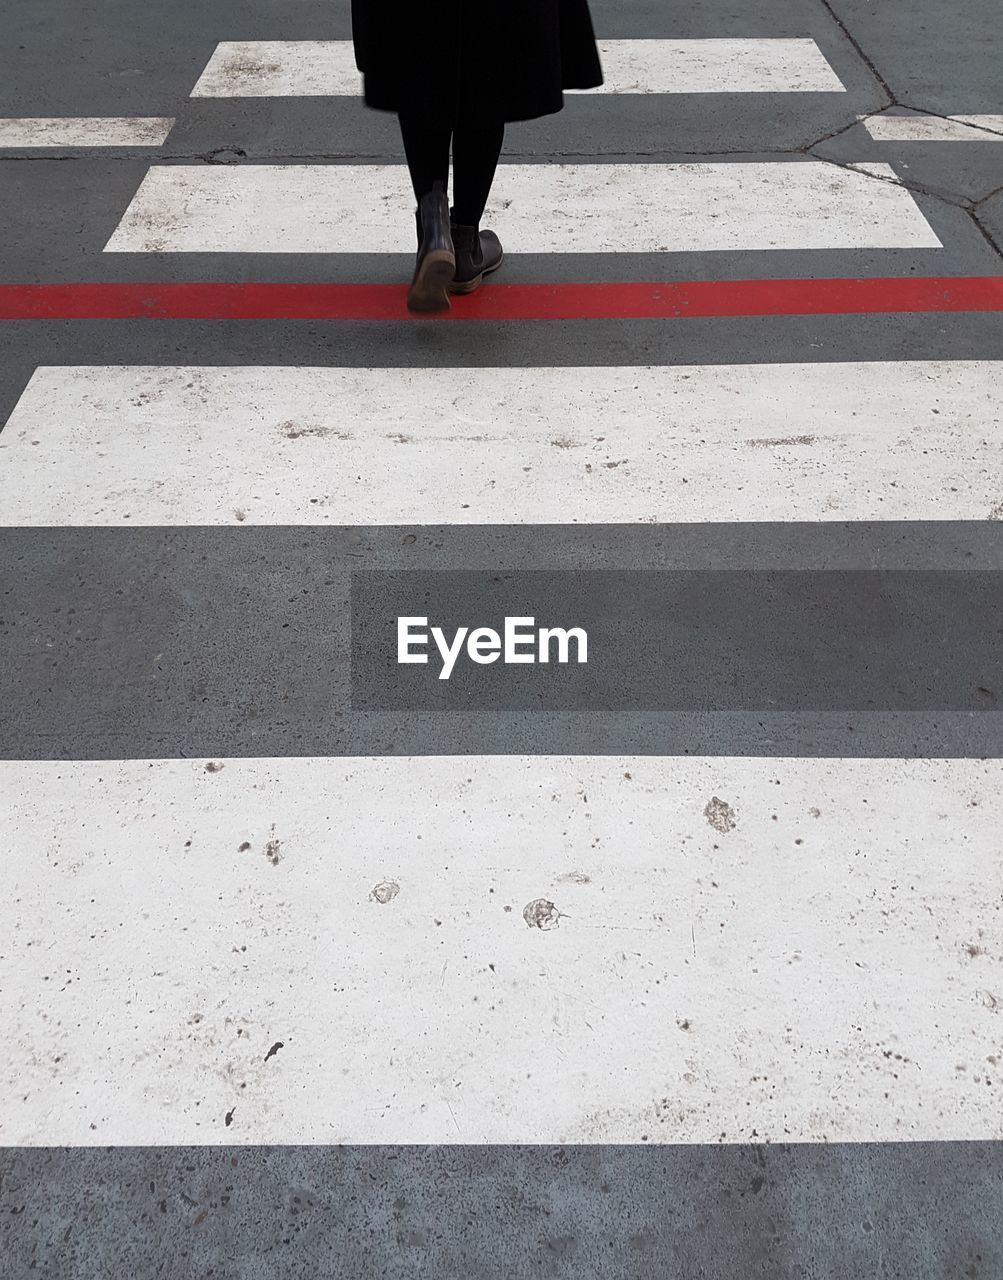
518 54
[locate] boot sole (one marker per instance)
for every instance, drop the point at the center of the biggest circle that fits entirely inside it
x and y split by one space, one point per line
468 286
430 288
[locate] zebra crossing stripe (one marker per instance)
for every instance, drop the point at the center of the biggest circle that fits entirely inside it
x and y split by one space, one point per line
901 440
304 68
500 949
633 208
919 128
97 131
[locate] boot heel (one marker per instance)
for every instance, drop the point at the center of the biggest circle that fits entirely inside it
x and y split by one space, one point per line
430 288
466 286
436 264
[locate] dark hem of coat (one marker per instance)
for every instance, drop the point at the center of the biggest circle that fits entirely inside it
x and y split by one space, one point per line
518 56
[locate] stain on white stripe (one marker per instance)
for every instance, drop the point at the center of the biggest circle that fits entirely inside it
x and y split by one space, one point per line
304 68
539 208
280 69
522 949
97 131
96 445
886 128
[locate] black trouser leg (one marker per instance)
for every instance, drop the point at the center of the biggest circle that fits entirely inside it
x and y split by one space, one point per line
477 144
425 132
427 126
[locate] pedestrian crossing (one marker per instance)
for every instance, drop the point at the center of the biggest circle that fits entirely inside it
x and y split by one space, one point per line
257 901
308 68
543 208
258 445
488 949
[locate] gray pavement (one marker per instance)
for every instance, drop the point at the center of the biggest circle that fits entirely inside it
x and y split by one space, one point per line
147 643
894 1211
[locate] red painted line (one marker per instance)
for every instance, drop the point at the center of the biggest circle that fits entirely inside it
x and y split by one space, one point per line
624 301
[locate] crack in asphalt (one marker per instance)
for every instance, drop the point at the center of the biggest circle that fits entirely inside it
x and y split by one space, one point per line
986 234
895 180
969 207
976 217
858 47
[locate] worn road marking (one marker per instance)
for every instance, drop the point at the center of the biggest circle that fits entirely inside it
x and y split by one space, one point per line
670 949
904 440
97 131
886 128
633 208
305 68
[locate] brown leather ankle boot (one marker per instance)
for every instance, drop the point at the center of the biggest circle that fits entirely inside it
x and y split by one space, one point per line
477 254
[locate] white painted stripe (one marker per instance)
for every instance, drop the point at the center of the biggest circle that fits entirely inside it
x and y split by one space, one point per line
537 208
305 68
283 445
715 66
885 128
280 69
821 964
994 123
104 131
275 446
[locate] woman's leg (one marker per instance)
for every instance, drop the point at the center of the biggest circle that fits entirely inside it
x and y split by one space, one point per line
479 131
425 131
477 144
